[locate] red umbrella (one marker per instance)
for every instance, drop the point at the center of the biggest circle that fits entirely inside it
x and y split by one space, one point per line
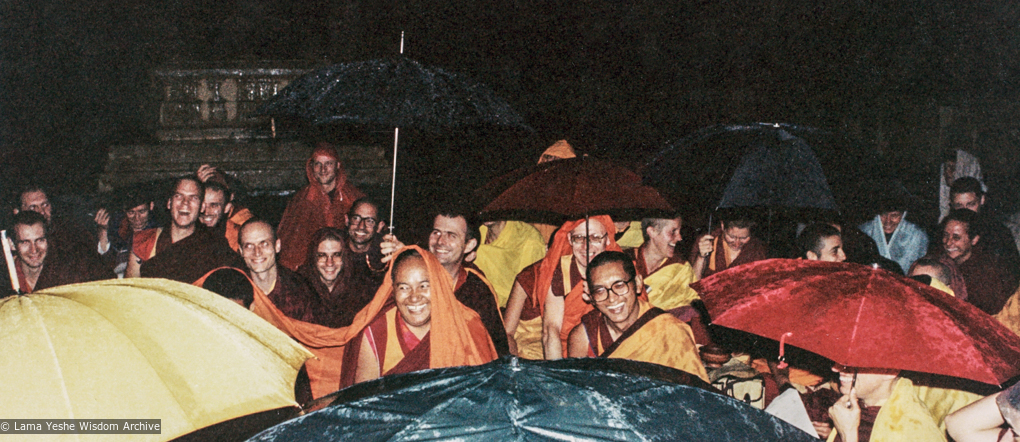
575 188
858 316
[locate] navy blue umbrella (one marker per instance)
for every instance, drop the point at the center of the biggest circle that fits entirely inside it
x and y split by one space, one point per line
516 400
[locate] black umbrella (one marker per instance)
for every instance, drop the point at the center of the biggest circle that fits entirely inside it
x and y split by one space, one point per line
785 174
393 92
511 399
767 164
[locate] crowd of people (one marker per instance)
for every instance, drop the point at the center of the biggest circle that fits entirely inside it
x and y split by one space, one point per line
368 305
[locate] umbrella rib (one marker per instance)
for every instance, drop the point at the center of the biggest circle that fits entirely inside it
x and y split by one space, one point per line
53 352
857 322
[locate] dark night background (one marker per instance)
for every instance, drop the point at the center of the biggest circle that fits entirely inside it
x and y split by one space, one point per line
620 79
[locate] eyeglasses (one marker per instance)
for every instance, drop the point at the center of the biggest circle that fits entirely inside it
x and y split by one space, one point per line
578 240
369 222
620 288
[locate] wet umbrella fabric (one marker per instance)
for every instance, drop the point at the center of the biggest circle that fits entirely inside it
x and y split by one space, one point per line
394 92
697 168
572 189
859 316
513 400
786 175
141 349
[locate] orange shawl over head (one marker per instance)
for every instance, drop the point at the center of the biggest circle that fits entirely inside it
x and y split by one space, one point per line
573 305
312 209
457 335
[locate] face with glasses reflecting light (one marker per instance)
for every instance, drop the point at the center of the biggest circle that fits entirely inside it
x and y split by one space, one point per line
361 226
259 246
614 293
596 236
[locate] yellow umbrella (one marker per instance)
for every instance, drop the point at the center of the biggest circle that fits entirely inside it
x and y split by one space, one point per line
141 349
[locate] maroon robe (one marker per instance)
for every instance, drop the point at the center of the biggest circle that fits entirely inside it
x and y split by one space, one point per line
293 295
190 258
60 268
754 250
476 294
988 282
528 279
415 357
353 290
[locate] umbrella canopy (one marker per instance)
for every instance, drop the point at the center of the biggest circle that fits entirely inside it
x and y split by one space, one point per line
393 92
698 168
786 175
141 349
859 316
510 399
572 189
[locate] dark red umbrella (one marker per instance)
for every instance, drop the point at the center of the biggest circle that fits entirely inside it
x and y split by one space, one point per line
859 316
575 188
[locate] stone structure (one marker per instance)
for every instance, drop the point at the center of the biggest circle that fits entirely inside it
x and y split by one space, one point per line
206 117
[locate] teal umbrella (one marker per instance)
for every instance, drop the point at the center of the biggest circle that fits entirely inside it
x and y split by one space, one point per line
515 400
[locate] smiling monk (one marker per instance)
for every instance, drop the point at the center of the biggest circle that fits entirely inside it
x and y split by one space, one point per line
626 327
414 323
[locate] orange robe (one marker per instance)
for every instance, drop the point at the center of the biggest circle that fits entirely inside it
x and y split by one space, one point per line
560 256
312 208
232 225
456 336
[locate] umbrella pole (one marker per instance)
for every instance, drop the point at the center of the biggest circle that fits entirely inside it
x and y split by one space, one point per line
393 182
10 262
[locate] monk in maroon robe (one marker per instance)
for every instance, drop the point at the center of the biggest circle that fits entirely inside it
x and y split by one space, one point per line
40 265
730 246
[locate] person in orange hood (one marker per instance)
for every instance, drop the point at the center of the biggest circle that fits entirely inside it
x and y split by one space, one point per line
322 203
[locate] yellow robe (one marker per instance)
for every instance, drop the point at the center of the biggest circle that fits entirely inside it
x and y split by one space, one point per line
1010 314
664 340
632 238
904 418
518 246
669 286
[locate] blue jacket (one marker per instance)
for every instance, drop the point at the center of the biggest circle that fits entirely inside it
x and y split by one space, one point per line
907 244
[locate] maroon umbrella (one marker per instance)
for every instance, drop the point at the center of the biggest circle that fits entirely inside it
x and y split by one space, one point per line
575 188
859 316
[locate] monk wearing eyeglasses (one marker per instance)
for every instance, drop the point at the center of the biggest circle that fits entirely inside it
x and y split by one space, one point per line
545 302
626 327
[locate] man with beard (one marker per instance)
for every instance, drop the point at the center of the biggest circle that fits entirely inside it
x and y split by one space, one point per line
453 237
364 229
185 250
324 202
343 288
289 291
39 266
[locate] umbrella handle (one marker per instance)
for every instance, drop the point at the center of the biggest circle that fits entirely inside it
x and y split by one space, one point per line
782 350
